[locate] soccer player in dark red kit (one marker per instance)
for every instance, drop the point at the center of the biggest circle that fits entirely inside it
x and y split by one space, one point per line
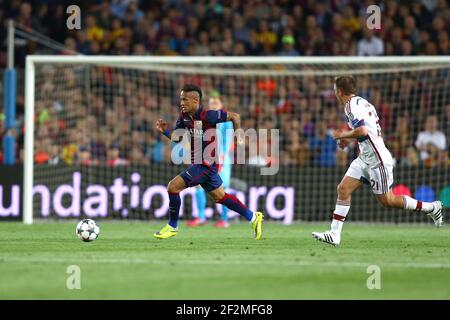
203 170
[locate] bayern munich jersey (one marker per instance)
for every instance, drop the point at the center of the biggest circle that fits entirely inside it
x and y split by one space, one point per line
361 112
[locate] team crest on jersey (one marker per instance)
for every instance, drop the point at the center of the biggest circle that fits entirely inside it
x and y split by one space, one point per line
198 129
351 116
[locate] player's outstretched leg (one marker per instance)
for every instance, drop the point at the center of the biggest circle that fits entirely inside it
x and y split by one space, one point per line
233 203
432 209
171 229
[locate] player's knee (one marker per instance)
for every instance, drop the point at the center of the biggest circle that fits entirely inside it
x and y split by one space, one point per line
172 187
343 191
217 195
216 198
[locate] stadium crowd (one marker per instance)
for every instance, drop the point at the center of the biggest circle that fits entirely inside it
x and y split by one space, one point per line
233 27
304 110
73 127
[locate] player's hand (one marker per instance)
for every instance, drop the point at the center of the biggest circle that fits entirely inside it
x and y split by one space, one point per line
337 134
161 125
343 143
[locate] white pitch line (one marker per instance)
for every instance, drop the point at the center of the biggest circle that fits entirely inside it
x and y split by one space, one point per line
300 263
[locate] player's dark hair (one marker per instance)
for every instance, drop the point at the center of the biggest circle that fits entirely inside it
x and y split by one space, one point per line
346 84
192 87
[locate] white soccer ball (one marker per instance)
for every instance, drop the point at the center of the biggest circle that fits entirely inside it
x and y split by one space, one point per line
87 230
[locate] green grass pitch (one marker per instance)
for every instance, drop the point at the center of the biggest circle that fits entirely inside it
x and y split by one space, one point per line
126 262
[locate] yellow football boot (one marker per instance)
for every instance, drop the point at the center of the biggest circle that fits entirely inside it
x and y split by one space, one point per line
257 225
166 232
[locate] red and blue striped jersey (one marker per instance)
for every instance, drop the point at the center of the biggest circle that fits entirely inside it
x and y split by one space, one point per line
202 129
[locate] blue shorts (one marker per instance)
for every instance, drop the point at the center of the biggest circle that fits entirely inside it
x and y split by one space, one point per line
198 174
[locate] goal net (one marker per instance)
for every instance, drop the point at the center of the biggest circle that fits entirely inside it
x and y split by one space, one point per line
92 150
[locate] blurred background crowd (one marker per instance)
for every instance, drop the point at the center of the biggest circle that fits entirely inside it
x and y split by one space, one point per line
234 27
78 129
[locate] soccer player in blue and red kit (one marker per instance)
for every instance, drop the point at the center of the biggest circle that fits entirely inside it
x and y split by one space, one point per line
203 170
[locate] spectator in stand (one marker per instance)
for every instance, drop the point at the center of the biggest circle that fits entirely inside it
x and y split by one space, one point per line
322 147
28 19
93 32
336 29
283 105
266 37
447 128
179 42
202 47
85 158
432 143
240 31
298 149
370 45
253 47
113 157
410 31
350 20
399 141
288 46
54 154
41 155
137 157
444 43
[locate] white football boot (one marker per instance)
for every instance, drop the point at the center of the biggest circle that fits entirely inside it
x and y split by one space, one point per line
328 237
437 214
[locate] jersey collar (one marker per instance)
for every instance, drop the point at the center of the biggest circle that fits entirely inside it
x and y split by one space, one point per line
198 112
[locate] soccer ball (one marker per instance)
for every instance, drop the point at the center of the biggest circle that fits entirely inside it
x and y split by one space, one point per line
87 230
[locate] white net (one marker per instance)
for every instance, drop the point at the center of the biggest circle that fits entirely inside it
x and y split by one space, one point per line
97 153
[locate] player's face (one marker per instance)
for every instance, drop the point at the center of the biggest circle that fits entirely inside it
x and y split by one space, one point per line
189 101
215 103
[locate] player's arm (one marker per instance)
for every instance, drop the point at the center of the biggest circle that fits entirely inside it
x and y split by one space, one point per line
356 133
162 127
359 129
235 118
216 116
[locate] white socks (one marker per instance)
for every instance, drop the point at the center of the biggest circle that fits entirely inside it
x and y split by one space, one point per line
342 208
413 204
340 212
